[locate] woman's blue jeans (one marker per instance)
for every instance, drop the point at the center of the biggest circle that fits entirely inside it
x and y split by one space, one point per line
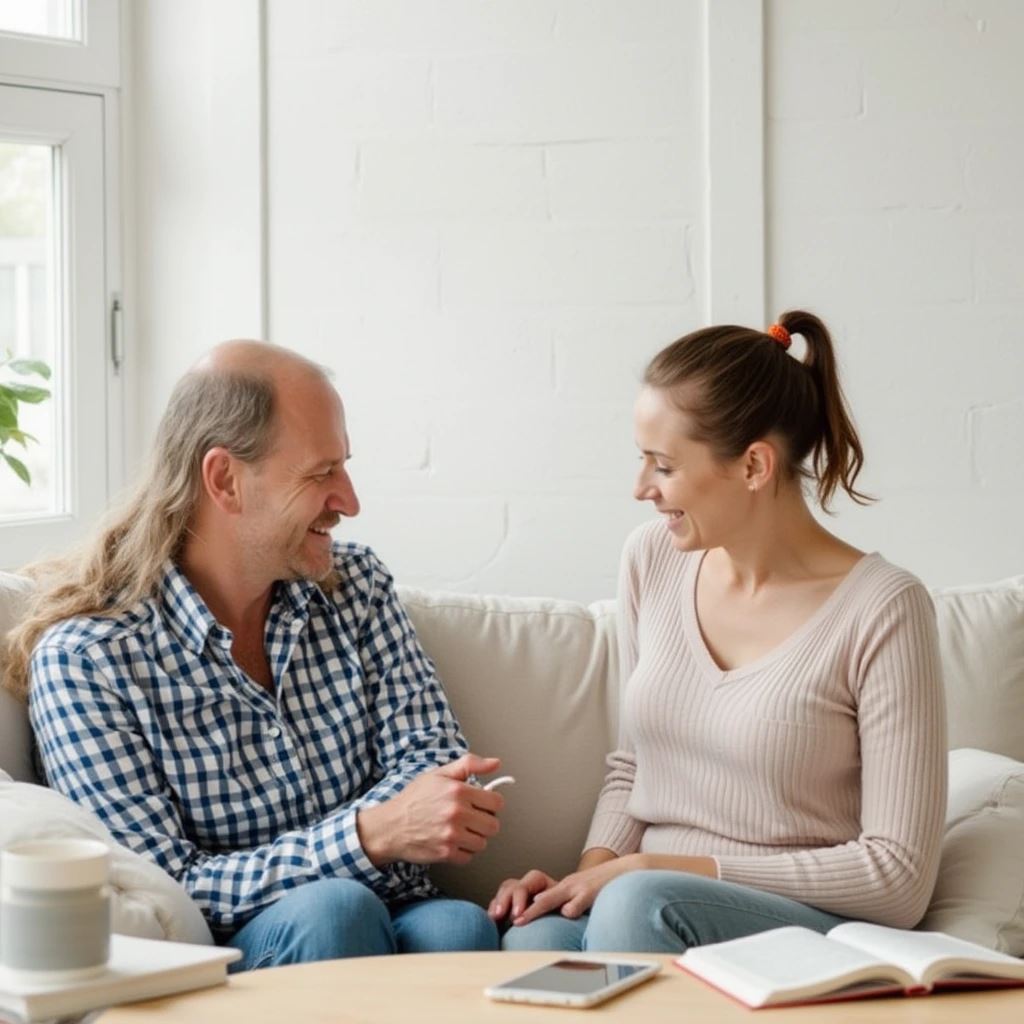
667 912
337 917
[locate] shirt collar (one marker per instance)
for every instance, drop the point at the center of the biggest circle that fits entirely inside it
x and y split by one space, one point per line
185 610
192 621
295 595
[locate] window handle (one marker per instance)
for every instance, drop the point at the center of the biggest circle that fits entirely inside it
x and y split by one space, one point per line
116 338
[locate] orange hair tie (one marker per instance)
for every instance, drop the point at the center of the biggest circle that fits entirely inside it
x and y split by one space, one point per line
780 334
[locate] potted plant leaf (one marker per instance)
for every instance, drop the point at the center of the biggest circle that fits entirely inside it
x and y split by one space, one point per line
11 394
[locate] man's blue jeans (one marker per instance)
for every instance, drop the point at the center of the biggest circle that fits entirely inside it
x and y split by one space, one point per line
337 917
667 912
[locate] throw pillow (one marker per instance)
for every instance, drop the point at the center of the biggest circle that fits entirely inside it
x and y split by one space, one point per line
147 902
981 634
979 895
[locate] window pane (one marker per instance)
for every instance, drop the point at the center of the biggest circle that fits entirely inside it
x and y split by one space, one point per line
8 321
27 316
57 19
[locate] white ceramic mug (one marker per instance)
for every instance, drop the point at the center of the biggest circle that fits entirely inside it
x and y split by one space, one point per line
55 908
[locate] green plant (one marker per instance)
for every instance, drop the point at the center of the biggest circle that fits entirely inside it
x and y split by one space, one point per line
11 393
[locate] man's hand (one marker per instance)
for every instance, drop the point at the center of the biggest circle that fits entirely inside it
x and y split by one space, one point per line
438 817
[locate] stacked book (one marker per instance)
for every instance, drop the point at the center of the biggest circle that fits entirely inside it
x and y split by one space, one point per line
138 969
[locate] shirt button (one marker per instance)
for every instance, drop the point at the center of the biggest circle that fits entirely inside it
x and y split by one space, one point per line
274 731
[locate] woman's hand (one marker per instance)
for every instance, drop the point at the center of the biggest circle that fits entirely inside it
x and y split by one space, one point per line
514 894
575 893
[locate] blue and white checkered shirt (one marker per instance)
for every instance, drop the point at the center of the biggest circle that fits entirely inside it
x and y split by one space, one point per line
238 793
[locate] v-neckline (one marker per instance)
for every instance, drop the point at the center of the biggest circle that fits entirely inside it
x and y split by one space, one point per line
695 635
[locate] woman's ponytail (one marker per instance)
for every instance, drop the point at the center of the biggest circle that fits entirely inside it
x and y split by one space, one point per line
837 455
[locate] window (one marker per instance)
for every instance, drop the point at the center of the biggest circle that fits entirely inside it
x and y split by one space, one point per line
73 42
58 19
29 230
57 272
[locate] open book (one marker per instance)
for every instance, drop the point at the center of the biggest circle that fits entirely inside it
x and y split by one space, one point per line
138 969
854 961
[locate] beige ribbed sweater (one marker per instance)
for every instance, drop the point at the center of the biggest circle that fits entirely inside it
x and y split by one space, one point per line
816 772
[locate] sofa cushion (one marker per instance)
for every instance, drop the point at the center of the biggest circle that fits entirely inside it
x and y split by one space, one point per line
981 634
979 895
15 735
528 679
146 901
15 739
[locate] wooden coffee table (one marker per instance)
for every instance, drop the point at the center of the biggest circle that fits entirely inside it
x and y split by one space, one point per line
447 988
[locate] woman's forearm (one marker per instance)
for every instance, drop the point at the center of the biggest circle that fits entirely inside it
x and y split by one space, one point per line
594 856
706 866
651 862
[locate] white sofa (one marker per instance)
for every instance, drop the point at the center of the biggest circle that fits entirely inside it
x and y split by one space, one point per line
535 682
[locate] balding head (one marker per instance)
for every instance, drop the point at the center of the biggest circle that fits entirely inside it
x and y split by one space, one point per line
260 359
293 382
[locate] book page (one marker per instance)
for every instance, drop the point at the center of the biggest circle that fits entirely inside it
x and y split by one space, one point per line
787 964
927 956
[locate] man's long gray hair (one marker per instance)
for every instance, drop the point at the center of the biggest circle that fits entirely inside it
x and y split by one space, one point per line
126 562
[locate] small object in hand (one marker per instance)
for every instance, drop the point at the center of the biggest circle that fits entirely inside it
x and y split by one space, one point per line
501 780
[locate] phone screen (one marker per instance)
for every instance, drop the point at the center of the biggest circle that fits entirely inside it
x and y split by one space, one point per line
576 977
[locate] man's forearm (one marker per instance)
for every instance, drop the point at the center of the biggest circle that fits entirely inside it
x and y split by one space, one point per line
374 834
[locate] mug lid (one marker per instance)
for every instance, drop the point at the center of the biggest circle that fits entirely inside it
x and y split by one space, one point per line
55 864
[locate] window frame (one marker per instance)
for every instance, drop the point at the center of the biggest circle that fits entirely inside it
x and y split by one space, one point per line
96 60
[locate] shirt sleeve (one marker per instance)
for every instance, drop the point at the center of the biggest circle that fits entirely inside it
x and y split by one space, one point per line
94 750
414 726
888 872
612 826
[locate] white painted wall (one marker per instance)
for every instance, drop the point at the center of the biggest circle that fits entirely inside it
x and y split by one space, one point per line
485 216
193 206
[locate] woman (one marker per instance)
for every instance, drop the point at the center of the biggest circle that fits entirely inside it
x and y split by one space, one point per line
782 754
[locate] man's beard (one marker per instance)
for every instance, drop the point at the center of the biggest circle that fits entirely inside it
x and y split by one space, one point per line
301 567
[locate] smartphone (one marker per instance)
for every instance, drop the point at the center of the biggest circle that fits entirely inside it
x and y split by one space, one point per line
576 983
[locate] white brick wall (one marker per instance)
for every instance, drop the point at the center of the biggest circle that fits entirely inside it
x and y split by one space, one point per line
512 229
486 215
895 159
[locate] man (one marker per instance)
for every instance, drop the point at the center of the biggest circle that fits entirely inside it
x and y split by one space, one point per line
246 702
